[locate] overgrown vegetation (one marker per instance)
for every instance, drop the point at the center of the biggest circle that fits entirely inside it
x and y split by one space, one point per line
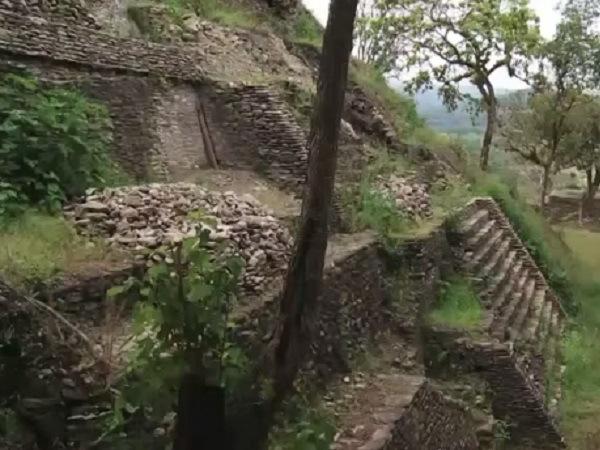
458 306
400 109
53 144
181 327
35 247
305 427
219 11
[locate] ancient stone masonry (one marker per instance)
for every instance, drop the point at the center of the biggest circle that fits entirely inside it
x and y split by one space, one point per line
521 311
409 196
279 142
75 10
68 43
145 218
516 397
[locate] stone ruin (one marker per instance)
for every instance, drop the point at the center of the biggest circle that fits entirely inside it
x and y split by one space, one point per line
145 219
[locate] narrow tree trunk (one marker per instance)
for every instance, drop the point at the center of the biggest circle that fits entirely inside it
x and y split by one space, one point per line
488 137
305 272
592 185
200 416
545 185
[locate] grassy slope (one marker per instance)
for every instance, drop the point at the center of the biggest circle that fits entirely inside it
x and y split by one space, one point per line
37 247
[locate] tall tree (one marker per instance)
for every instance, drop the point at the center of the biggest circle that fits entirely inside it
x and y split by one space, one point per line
452 42
304 277
378 41
586 126
553 131
542 134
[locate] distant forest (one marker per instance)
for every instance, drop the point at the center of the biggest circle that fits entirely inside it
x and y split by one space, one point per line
459 122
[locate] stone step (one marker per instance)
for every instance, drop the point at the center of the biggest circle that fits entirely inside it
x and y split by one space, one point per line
490 266
545 325
520 296
482 235
516 322
527 318
501 294
474 259
473 223
496 283
534 319
558 371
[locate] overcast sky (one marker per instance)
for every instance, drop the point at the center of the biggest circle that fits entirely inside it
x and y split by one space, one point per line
546 9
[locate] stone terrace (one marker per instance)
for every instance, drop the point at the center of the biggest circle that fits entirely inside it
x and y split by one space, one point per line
521 312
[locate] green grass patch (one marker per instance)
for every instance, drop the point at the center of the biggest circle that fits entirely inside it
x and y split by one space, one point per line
306 29
306 425
458 306
36 247
584 243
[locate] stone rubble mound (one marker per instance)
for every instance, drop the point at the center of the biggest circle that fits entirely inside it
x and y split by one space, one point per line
145 218
409 196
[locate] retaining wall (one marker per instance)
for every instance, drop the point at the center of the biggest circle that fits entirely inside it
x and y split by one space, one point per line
165 110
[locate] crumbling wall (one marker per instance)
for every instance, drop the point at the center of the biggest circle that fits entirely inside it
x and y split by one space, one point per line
433 422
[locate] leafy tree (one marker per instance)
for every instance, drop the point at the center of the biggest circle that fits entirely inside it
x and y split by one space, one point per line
586 127
554 131
541 133
305 273
467 41
53 144
378 41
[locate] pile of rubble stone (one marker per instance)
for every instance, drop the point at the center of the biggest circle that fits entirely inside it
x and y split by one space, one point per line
410 197
145 219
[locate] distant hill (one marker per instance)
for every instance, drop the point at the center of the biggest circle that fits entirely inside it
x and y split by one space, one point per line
431 108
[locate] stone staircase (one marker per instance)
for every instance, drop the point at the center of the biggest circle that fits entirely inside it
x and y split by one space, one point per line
521 313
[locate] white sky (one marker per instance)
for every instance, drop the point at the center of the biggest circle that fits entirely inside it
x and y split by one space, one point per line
546 10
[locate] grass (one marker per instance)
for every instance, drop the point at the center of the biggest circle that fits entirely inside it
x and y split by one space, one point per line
458 307
36 247
401 109
306 29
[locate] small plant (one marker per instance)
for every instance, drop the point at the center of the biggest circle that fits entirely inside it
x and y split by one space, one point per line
53 144
181 327
307 428
458 307
502 433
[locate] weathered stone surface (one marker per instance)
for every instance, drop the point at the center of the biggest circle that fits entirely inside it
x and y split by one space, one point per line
410 197
144 218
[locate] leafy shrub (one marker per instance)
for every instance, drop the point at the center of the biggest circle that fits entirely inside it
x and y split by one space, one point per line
458 307
307 427
53 144
181 327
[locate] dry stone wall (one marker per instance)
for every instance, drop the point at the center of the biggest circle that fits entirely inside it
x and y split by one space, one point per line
155 94
256 120
433 422
73 10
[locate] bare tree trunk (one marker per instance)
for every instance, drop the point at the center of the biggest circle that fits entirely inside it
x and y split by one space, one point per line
488 137
305 272
545 185
592 185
